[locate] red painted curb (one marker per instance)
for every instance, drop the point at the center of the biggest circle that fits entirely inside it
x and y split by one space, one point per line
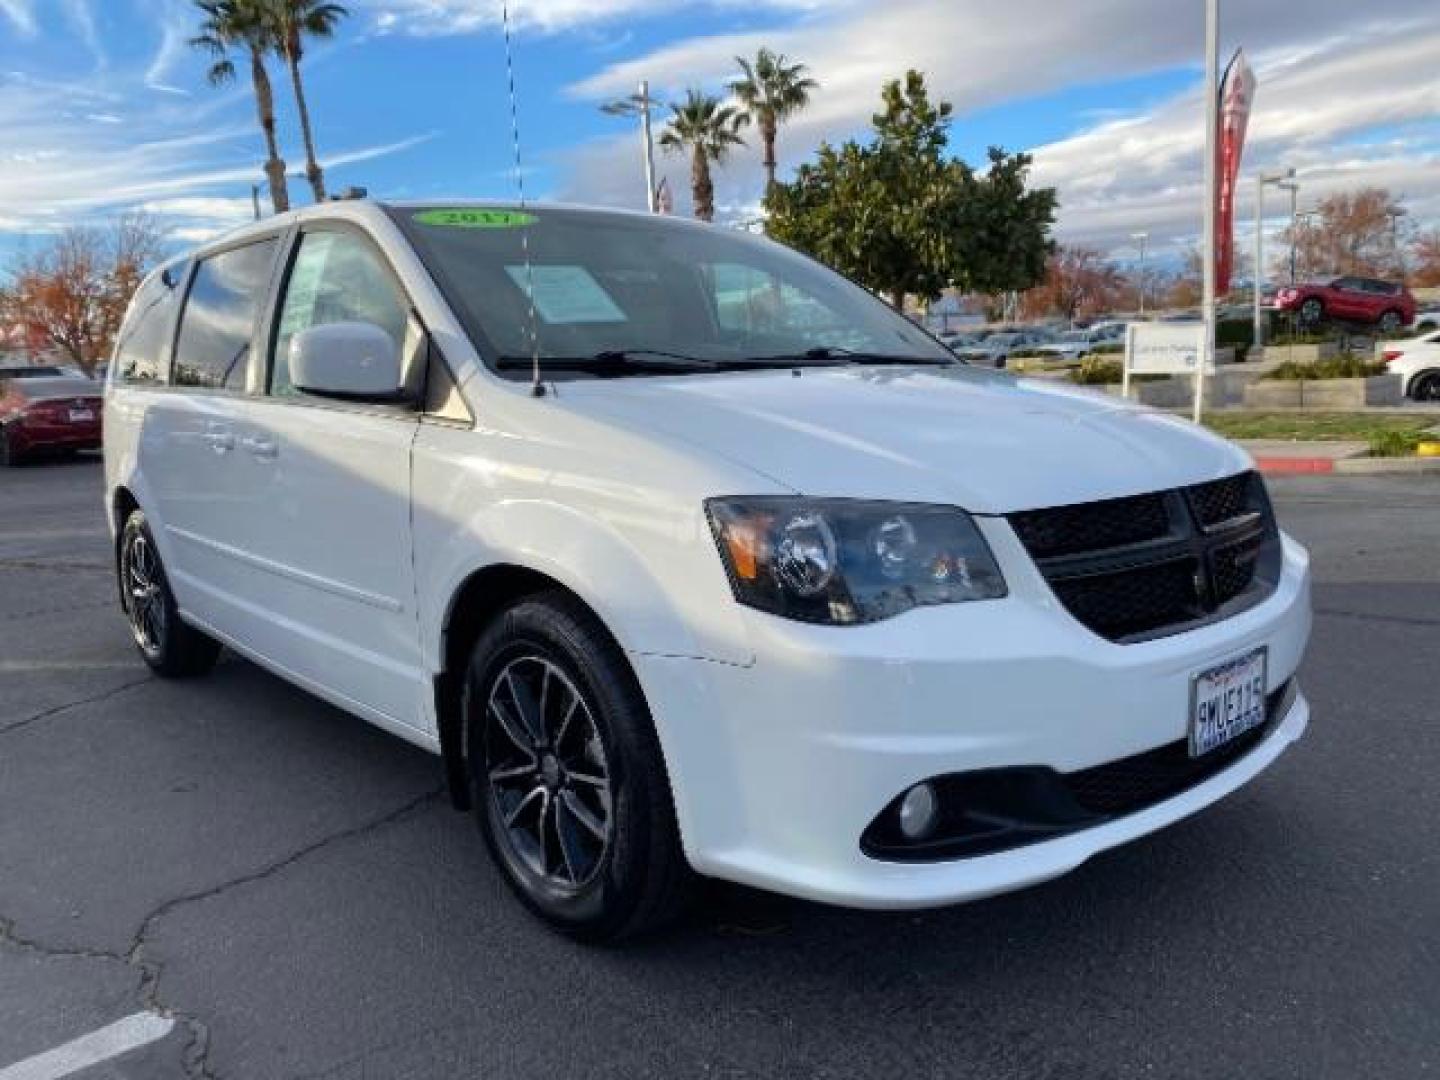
1280 466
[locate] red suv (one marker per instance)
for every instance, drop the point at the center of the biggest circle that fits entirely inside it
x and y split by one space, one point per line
47 412
1350 299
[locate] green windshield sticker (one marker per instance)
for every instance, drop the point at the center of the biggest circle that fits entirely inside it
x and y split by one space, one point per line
471 218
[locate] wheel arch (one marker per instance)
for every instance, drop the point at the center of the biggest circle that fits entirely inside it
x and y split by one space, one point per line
476 602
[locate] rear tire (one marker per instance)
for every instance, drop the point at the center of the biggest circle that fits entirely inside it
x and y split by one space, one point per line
8 454
566 776
173 648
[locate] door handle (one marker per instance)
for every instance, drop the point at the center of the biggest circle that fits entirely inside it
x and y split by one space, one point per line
221 439
261 446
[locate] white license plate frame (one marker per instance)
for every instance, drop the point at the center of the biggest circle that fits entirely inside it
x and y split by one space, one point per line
1226 719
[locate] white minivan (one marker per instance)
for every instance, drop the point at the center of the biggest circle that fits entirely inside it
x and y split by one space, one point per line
690 557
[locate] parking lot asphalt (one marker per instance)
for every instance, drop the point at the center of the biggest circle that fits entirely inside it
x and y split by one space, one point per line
287 884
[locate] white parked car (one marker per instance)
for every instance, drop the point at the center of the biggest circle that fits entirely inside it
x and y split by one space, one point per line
1076 344
995 350
1417 361
688 556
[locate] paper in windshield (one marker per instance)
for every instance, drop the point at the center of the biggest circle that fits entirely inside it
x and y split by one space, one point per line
567 294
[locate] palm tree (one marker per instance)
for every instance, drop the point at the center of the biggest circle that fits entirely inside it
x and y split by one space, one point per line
291 22
771 92
708 130
239 24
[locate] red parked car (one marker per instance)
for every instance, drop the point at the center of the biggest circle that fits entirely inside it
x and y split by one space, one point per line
48 413
1350 299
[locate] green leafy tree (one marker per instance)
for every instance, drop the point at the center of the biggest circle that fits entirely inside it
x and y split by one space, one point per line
290 23
242 26
771 90
707 129
901 218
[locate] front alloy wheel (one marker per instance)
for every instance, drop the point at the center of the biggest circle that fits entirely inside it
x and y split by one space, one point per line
547 775
1311 310
566 776
1427 387
1389 322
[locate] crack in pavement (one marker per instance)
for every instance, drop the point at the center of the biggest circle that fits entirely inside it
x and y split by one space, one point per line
55 710
66 610
1400 620
196 1061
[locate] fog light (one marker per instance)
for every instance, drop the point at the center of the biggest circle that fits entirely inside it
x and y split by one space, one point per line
918 811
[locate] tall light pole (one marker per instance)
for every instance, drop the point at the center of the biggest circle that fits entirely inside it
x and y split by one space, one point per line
1212 109
1258 337
1141 238
638 104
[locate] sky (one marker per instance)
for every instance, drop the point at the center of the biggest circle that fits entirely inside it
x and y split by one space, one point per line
104 106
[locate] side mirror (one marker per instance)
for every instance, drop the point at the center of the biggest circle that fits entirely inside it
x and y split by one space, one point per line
351 361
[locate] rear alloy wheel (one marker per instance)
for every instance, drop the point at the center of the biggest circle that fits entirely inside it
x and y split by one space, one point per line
170 646
1426 387
1312 310
1390 322
566 776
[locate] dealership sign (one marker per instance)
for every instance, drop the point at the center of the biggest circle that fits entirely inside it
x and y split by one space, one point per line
1164 348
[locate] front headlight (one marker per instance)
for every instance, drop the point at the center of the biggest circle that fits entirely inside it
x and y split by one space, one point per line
845 561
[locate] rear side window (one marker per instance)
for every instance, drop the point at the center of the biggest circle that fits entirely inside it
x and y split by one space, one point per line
216 329
144 342
336 277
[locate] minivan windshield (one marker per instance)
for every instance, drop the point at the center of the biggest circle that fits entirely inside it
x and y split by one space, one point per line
617 294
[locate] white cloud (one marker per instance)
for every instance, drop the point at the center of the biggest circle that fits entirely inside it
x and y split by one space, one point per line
175 22
1324 81
427 18
21 14
82 20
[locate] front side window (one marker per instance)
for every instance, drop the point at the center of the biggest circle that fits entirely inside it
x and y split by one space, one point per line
218 323
593 285
336 277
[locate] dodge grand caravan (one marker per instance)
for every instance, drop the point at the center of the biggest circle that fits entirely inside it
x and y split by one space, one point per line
689 557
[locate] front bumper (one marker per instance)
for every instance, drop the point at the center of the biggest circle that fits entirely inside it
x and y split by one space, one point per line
778 767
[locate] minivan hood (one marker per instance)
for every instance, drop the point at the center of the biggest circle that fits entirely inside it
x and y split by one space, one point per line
985 441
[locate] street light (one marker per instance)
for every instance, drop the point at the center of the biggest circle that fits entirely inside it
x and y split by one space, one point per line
638 104
1261 180
1141 237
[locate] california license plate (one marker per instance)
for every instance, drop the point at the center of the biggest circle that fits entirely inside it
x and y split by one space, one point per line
1226 701
81 416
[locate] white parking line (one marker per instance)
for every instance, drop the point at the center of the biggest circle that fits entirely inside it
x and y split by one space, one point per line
118 1038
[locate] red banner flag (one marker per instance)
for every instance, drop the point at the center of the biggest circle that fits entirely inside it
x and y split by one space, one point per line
1237 92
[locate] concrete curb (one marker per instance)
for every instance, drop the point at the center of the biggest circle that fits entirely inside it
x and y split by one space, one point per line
1361 466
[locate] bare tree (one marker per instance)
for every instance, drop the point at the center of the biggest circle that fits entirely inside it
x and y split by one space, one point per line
1357 232
73 292
1078 281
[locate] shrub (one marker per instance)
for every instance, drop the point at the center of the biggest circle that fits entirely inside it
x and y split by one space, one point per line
1095 372
1395 443
1110 348
1344 366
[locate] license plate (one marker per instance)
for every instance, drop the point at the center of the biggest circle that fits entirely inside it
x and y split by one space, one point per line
1226 701
81 416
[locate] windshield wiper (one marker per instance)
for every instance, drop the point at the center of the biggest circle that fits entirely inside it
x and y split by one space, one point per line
613 361
823 354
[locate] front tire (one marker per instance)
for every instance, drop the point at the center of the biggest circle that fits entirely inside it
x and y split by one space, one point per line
1390 322
1312 311
1426 387
171 647
566 776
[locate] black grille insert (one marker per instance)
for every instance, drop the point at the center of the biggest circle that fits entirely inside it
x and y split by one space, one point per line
1150 565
